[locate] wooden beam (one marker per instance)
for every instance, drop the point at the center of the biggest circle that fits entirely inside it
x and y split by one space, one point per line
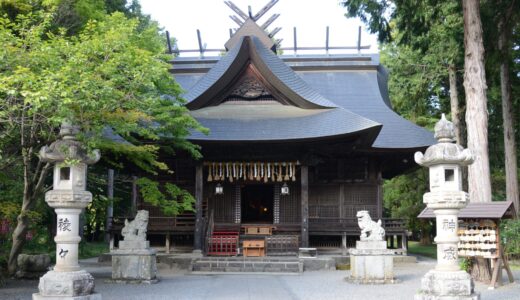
359 40
305 205
197 238
237 20
270 21
295 43
275 31
237 10
327 39
265 9
169 44
201 48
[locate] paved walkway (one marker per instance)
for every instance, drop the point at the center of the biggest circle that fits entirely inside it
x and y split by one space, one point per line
178 284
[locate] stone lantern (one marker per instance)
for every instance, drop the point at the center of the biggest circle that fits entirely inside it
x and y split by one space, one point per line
446 198
68 197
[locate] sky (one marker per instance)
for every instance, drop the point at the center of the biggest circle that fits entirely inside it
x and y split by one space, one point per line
183 17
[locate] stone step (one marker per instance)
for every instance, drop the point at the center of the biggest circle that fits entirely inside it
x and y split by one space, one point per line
246 265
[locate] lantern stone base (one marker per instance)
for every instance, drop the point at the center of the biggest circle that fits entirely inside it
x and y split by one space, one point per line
442 285
134 266
371 263
78 285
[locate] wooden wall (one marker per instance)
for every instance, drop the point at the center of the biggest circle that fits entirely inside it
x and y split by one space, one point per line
290 209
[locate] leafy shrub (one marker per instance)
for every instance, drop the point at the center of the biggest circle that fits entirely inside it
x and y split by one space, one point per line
510 235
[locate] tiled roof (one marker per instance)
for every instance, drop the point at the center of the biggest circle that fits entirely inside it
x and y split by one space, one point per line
356 85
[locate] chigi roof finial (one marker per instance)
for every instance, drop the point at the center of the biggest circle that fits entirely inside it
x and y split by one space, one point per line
247 25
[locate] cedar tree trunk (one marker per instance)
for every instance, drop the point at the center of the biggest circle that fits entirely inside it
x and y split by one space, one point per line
479 177
454 103
507 111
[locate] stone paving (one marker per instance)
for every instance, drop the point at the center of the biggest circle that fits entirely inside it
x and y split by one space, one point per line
179 284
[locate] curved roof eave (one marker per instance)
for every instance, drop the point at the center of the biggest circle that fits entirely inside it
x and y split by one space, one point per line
361 92
330 123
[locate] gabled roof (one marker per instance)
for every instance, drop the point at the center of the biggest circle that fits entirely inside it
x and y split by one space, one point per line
209 89
345 94
305 115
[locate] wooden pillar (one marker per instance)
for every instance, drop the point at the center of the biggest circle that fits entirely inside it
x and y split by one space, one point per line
276 204
305 205
341 201
110 208
238 202
197 237
167 243
111 242
404 243
379 194
134 195
344 248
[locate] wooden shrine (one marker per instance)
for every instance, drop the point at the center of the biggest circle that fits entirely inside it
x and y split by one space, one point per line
296 143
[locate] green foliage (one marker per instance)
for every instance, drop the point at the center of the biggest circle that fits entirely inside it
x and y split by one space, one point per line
105 73
373 13
416 86
403 199
92 249
419 42
510 234
109 75
425 250
175 201
465 264
420 39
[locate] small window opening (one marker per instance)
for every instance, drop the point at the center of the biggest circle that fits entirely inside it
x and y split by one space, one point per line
65 173
449 175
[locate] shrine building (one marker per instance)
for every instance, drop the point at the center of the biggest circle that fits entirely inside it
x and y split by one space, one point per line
297 145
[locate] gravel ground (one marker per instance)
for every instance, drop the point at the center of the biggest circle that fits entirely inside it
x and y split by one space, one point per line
178 284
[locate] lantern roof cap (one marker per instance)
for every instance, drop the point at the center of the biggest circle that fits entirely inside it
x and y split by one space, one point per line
68 149
446 151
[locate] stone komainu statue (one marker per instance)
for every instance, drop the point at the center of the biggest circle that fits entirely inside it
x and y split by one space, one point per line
370 230
136 229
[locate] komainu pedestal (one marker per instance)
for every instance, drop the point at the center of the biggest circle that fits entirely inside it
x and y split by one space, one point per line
371 262
446 285
78 285
134 261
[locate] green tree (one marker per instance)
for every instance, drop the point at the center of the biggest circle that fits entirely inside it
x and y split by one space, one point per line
109 76
423 53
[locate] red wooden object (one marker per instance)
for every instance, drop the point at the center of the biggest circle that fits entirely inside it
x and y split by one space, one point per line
223 243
